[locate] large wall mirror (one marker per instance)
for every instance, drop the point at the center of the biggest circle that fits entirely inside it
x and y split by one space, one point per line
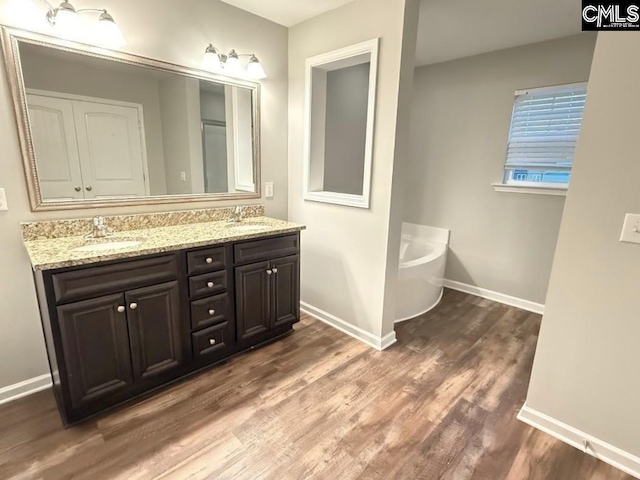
340 112
101 128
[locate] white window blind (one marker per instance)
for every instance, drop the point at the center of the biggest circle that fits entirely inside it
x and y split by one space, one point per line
545 125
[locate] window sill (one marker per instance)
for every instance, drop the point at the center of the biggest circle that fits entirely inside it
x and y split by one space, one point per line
505 188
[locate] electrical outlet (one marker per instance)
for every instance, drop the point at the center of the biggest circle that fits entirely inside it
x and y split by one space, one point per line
631 229
3 200
268 190
183 176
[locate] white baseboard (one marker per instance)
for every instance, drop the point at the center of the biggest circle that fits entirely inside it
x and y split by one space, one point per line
595 447
496 296
379 343
22 389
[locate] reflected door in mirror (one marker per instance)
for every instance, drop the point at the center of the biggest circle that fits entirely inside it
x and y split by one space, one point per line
56 148
112 154
87 149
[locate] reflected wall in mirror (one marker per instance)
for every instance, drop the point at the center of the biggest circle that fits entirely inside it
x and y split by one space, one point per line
340 111
107 130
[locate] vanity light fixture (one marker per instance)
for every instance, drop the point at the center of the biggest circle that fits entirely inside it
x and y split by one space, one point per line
66 18
108 31
255 69
231 64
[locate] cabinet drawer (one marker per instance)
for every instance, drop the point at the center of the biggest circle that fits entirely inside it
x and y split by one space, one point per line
207 284
209 311
208 260
264 249
212 340
105 279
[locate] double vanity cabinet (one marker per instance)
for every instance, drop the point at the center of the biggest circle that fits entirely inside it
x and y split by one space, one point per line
118 329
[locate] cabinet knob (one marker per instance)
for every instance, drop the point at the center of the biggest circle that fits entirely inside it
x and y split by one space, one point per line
275 270
77 189
212 341
89 188
212 311
133 306
121 309
209 260
210 284
269 272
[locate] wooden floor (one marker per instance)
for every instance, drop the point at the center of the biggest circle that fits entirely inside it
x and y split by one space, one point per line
441 403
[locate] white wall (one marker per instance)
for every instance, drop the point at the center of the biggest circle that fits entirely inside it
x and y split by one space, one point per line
157 29
344 250
585 372
460 124
179 119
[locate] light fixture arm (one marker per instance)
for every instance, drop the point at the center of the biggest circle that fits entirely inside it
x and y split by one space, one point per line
106 26
101 10
53 11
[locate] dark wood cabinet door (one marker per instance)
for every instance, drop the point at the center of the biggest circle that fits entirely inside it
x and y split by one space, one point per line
95 345
286 294
155 329
253 295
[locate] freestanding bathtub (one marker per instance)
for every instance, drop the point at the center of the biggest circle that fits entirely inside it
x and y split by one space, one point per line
423 257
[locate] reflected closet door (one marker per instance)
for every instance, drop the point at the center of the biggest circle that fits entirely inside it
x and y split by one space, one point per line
56 150
111 150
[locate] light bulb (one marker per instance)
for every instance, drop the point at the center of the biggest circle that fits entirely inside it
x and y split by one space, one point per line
108 33
233 66
65 19
211 60
255 69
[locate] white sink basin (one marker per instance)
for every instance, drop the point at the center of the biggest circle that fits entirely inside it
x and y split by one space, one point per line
99 247
247 227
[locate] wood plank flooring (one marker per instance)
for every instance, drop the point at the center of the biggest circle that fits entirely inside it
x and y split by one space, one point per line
440 404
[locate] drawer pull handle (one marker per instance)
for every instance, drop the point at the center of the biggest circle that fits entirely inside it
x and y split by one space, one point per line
133 306
210 284
212 311
121 309
212 341
269 272
275 270
209 260
77 189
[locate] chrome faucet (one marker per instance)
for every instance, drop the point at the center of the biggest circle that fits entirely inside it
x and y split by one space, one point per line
99 227
238 214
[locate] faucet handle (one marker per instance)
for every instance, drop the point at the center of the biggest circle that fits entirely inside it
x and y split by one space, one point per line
98 221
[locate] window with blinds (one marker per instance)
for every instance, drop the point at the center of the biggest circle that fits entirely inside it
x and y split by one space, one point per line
544 130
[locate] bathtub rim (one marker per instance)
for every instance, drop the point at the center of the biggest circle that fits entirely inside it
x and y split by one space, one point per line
439 249
406 319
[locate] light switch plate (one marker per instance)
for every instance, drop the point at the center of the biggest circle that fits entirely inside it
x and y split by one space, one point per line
183 176
631 229
3 200
268 190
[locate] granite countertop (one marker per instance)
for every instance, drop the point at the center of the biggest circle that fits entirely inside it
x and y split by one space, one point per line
54 253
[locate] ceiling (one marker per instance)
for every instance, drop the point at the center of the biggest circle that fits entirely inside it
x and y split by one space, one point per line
452 29
287 12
